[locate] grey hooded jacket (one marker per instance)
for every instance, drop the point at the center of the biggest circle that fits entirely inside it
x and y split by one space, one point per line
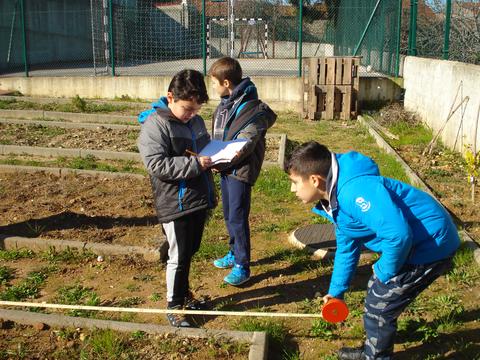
179 185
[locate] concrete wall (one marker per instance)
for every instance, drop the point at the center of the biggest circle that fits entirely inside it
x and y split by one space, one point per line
281 93
431 86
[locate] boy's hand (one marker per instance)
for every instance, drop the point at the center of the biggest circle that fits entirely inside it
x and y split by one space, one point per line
237 155
326 298
205 162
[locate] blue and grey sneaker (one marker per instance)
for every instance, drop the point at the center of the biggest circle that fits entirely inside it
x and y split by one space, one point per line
239 275
225 262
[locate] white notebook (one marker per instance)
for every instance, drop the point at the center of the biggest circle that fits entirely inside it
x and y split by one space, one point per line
223 151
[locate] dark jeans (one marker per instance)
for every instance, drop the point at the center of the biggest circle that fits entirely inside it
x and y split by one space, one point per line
183 236
385 302
236 210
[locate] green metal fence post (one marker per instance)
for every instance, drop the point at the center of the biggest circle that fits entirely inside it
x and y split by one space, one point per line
110 35
446 41
399 37
366 28
24 36
412 33
300 36
382 36
204 40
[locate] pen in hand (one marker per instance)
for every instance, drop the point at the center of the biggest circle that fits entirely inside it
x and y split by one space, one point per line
191 153
205 161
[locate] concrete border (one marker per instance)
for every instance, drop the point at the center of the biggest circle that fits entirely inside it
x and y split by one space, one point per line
65 100
416 180
68 124
149 254
72 152
68 116
114 155
258 340
62 172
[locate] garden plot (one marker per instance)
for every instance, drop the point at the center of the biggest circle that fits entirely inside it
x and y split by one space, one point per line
443 170
83 208
100 138
34 342
443 320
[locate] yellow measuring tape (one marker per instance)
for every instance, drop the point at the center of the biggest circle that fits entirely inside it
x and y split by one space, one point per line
158 311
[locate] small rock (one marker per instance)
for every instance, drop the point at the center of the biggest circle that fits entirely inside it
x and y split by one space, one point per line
100 258
40 326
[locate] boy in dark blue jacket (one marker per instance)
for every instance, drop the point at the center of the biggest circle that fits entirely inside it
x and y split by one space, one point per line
240 115
413 232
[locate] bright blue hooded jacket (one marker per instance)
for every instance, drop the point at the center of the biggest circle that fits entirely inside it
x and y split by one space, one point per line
404 224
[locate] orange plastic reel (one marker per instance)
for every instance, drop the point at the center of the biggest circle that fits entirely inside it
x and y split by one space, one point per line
335 310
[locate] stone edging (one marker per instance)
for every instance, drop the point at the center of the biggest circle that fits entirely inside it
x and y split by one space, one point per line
62 172
70 116
258 340
415 179
149 254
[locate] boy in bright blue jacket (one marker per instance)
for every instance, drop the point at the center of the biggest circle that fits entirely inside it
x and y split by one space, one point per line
414 234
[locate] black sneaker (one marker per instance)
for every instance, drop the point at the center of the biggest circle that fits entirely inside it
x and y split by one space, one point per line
351 354
178 320
191 303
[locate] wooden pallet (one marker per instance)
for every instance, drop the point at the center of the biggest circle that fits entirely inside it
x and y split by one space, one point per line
331 87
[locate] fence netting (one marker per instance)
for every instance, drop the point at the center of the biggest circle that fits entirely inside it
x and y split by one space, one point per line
269 37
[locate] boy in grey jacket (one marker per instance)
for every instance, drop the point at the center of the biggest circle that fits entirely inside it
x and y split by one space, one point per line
182 185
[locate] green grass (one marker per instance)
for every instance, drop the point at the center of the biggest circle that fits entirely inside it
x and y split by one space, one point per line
89 162
275 330
465 272
28 288
77 295
106 344
323 330
76 105
410 134
6 274
130 301
69 255
16 254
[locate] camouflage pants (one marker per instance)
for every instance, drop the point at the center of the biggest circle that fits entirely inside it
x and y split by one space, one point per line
385 302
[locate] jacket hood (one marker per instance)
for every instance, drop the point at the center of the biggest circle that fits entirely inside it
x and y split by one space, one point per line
245 88
162 104
352 165
269 114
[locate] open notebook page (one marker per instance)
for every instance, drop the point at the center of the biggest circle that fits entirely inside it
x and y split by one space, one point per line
223 151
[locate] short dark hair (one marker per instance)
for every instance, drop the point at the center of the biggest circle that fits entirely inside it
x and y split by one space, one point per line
226 68
188 85
310 158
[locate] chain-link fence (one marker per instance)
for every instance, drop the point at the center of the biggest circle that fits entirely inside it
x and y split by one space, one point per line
444 29
270 37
